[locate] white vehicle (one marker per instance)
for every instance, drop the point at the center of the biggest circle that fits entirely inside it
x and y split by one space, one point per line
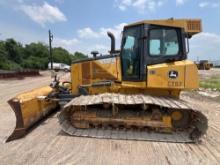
59 66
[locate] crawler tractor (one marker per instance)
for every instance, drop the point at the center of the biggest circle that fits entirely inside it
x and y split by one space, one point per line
204 65
131 93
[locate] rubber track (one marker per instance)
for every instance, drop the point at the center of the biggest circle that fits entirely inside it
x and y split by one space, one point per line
199 123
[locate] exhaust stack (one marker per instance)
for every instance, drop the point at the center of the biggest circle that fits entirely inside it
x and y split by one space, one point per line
112 37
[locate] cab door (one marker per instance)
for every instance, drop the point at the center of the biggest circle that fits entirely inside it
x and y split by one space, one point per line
132 53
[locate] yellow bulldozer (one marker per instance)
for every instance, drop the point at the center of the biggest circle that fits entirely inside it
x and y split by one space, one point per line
131 93
204 65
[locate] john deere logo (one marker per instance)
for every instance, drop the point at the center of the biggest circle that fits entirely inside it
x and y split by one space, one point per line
173 74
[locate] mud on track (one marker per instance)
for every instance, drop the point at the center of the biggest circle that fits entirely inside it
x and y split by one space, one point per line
47 144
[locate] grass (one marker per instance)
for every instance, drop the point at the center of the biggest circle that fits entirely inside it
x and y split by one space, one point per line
212 83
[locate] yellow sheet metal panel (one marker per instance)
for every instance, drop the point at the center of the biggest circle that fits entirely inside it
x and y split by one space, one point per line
104 69
118 66
177 75
191 76
88 72
30 111
191 26
34 109
131 84
76 77
43 91
167 75
107 69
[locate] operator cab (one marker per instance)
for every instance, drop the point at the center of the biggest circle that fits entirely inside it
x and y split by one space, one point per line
154 42
145 44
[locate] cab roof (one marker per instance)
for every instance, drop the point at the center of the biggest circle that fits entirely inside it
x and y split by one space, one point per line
190 26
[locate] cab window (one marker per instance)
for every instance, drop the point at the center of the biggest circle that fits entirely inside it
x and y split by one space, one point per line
163 42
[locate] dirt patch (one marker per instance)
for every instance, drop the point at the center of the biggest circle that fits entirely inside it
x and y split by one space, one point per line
205 74
47 145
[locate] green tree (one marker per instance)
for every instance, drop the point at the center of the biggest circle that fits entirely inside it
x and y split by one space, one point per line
5 62
39 50
61 55
78 56
13 49
3 52
14 56
3 57
36 56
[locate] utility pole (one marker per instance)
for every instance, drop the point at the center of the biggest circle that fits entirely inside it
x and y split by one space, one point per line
50 49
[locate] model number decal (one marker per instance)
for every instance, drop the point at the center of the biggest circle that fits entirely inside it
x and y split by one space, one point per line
174 83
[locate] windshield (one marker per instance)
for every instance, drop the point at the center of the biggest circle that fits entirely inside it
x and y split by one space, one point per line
130 53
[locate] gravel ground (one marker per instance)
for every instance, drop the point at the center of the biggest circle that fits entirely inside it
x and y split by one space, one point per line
47 144
214 72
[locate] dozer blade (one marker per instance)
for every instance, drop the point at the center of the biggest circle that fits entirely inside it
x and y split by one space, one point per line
29 108
133 117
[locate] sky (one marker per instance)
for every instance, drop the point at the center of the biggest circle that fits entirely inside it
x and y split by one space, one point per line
81 25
